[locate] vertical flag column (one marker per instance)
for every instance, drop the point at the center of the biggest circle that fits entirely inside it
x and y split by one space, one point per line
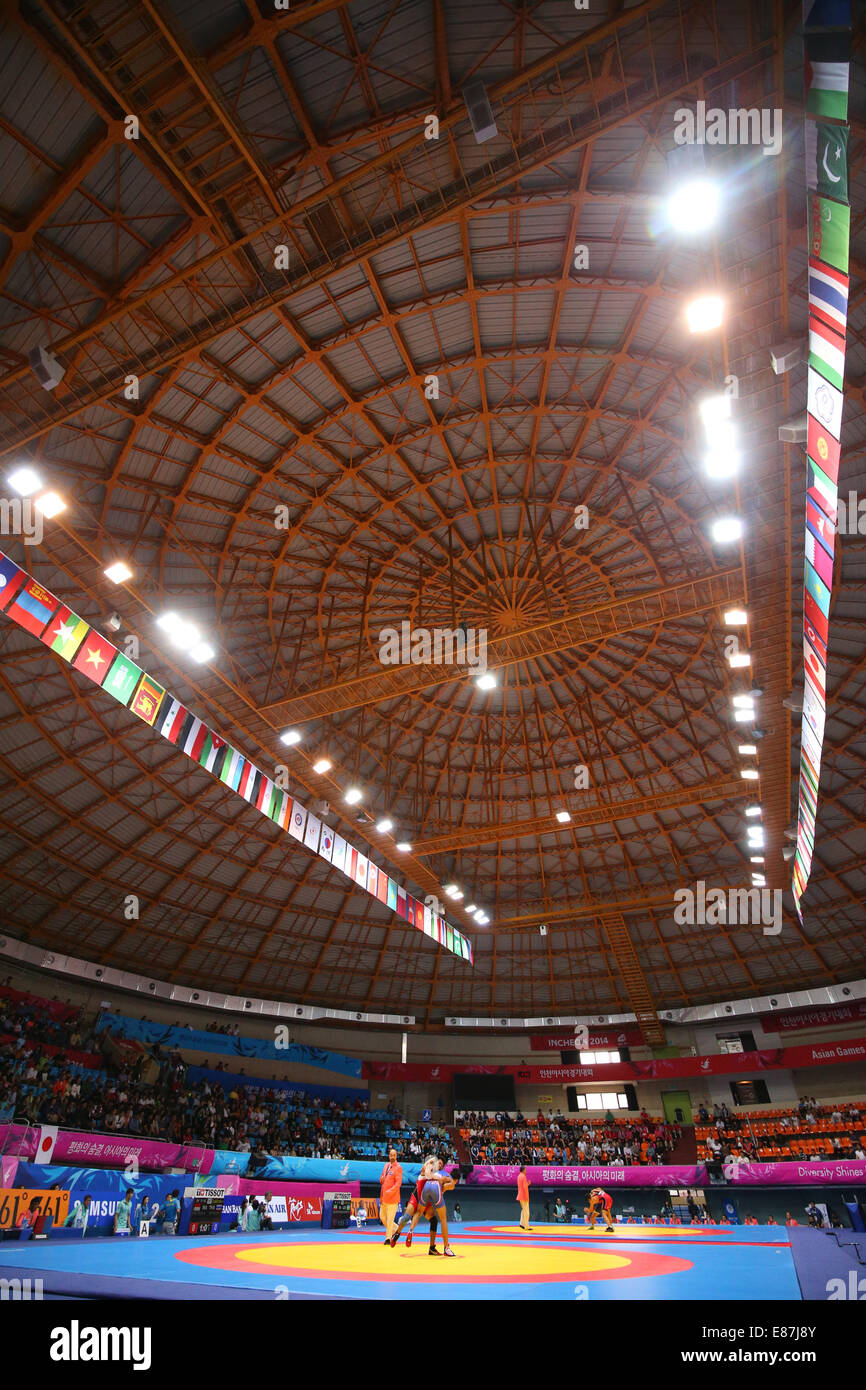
827 45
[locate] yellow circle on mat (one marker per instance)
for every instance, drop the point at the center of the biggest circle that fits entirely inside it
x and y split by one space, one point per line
473 1259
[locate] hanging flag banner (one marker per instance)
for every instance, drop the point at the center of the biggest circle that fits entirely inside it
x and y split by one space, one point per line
827 55
44 616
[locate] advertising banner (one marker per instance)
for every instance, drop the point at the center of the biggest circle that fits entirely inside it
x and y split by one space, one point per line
330 1171
563 1041
117 1151
104 1187
485 1175
843 1171
789 1020
658 1069
225 1162
290 1090
16 1200
50 1008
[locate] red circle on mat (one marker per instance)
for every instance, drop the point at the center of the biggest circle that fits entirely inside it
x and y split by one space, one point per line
228 1257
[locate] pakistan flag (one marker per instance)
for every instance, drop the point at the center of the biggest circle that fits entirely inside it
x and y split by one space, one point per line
827 159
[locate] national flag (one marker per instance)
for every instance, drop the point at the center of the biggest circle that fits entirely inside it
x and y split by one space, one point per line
821 488
298 820
419 915
810 769
195 731
250 782
361 868
265 796
427 920
819 694
824 450
410 909
147 699
326 843
816 620
311 832
372 879
338 858
814 711
815 668
810 635
232 767
809 744
11 579
825 403
826 352
172 720
351 866
281 807
821 527
33 607
818 589
212 751
827 14
449 938
122 678
45 1145
829 231
65 633
392 894
828 294
818 558
402 905
827 159
382 887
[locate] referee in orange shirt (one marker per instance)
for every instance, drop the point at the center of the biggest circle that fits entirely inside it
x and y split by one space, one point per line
523 1199
389 1193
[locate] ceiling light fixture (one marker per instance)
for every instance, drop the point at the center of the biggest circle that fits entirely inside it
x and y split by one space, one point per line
25 481
118 572
563 817
726 530
50 504
324 765
384 826
736 617
290 737
705 313
353 796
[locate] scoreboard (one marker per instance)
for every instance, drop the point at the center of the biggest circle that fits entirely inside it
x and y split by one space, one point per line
205 1208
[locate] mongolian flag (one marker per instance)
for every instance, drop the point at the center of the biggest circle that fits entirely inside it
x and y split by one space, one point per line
33 607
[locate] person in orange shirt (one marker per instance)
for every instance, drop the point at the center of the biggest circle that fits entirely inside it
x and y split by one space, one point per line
389 1193
523 1199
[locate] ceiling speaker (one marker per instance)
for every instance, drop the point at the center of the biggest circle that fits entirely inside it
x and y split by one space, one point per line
480 111
46 368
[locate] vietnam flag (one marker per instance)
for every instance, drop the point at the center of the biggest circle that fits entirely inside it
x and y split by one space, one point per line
382 887
33 607
95 657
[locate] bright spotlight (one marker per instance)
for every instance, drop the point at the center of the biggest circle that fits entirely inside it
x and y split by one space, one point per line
25 481
726 530
694 206
487 681
736 617
353 796
384 826
323 765
705 313
50 504
118 573
291 737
